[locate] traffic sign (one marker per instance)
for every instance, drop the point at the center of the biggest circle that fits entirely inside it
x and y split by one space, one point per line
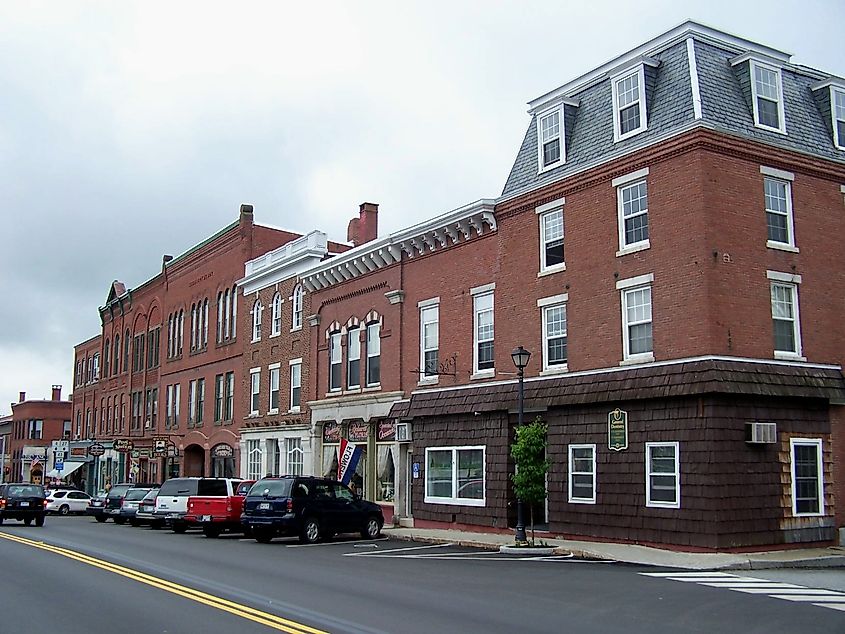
60 465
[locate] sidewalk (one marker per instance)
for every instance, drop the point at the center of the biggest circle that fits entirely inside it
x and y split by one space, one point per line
635 554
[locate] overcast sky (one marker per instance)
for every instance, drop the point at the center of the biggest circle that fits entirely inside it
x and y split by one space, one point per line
133 129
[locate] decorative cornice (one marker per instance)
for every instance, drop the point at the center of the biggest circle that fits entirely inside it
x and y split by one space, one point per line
286 262
395 297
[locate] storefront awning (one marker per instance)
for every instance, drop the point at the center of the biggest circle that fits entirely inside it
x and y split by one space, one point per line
70 467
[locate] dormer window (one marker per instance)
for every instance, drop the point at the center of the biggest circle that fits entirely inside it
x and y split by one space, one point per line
549 135
629 102
767 97
837 99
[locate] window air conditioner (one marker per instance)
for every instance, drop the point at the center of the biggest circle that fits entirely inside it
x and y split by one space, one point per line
403 432
761 433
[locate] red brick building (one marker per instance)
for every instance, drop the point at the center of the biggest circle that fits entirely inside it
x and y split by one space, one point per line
666 246
165 401
35 424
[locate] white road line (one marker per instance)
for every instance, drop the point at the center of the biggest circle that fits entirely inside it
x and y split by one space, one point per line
398 550
736 585
714 579
776 590
832 606
813 598
686 574
352 541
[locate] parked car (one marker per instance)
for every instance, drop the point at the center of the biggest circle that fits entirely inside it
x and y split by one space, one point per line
219 513
129 506
23 501
64 501
96 506
172 499
146 511
114 499
310 507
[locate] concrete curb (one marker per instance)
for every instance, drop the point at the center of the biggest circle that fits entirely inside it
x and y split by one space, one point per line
528 550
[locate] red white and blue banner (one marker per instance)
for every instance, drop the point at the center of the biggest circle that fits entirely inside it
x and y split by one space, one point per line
347 460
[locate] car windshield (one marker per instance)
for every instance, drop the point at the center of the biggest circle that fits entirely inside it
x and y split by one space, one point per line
179 486
136 494
26 489
151 494
271 488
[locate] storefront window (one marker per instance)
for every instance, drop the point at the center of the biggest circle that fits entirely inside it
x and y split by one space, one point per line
330 461
455 475
386 470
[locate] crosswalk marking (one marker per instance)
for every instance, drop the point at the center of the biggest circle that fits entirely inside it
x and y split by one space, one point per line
751 585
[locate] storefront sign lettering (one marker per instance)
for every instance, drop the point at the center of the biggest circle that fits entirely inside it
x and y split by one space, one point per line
123 446
96 449
331 433
358 431
222 451
386 431
617 430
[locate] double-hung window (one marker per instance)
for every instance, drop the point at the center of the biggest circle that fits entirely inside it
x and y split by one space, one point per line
254 391
353 358
295 384
629 104
373 354
192 403
767 96
554 332
777 191
230 395
551 236
429 339
199 397
275 369
807 476
335 361
296 299
483 351
785 320
550 139
632 211
276 322
257 309
663 480
219 388
582 474
837 107
637 342
295 456
455 475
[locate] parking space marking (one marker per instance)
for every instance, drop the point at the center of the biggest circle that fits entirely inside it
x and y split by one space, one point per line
413 552
333 543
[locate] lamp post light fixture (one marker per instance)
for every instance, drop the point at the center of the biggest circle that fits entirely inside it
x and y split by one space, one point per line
520 358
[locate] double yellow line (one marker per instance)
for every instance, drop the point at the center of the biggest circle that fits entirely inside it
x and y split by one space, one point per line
243 611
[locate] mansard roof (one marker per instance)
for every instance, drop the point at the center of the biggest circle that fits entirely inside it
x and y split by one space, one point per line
695 83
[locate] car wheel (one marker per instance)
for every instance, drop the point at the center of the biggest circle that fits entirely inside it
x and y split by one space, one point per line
179 527
155 525
39 521
28 521
247 531
119 520
134 522
211 531
371 529
100 518
263 535
64 509
310 531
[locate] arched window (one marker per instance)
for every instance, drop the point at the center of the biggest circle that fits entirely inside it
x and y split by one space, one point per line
277 314
257 309
227 328
205 322
220 317
180 329
234 310
126 339
194 326
116 368
106 360
297 307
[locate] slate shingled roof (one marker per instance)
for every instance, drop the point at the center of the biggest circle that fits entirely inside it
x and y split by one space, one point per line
670 109
704 376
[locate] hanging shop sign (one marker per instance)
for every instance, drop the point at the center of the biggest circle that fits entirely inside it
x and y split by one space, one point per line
160 446
617 430
386 431
358 431
96 449
331 432
222 451
123 445
144 453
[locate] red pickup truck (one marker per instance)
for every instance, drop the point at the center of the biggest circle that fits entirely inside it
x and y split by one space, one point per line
219 513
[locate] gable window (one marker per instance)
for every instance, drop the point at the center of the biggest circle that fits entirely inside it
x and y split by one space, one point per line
353 357
334 361
254 391
663 481
807 476
455 475
582 474
429 339
373 354
777 191
637 342
257 309
767 97
550 139
295 384
274 388
297 307
837 107
276 321
483 351
629 110
551 236
554 332
632 211
785 322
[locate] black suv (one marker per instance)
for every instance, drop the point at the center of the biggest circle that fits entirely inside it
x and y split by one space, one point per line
310 507
23 501
114 500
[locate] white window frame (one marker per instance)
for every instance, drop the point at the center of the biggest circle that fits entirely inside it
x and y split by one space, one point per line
257 309
294 456
544 305
254 391
753 64
541 117
353 347
571 472
335 359
274 370
789 281
544 212
192 405
479 293
430 499
373 351
295 382
838 141
811 442
621 184
676 474
784 178
429 314
276 321
625 287
297 301
617 79
254 459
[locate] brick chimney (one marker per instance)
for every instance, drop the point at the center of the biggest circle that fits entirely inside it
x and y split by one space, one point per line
21 397
364 228
246 214
57 392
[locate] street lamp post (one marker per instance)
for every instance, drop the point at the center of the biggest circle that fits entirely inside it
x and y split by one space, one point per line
520 358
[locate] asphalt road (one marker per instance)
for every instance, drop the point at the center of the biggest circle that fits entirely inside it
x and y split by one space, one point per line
75 575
